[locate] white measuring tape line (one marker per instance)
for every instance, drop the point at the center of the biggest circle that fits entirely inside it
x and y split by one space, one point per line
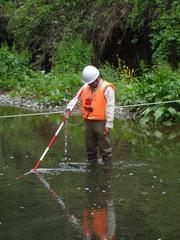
31 114
61 112
148 104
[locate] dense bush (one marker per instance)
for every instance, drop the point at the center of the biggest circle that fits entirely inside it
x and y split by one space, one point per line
72 55
165 33
13 68
157 85
63 81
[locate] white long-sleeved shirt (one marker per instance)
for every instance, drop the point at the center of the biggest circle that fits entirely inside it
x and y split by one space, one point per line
110 105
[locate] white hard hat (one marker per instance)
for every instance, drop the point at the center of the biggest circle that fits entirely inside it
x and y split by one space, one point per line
90 74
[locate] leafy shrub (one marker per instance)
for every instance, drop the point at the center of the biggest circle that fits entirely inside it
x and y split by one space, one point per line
163 85
13 68
157 85
72 55
50 89
124 80
165 34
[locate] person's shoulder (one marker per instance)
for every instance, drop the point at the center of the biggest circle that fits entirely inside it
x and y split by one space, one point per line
109 85
107 82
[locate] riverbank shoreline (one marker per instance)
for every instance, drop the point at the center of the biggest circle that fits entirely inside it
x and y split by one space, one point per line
31 104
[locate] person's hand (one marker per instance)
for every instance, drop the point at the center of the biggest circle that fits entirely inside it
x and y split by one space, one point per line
106 130
66 115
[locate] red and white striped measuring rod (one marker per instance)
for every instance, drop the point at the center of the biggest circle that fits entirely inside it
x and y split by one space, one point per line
71 106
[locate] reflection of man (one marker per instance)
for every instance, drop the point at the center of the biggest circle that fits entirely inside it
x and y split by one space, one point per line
99 215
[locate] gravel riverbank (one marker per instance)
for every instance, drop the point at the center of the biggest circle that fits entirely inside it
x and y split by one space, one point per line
7 100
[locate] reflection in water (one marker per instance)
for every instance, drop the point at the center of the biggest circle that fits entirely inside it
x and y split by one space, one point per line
99 216
142 185
71 218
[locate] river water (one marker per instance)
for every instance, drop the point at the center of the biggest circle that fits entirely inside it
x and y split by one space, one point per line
137 198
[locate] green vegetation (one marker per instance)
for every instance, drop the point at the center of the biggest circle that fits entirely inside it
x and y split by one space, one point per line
165 35
159 84
71 34
63 81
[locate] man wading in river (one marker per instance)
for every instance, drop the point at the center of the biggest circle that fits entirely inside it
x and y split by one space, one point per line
98 103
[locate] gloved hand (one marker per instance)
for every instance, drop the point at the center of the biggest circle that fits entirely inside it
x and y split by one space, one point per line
66 115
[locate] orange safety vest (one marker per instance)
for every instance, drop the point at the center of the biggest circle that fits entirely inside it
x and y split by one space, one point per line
95 222
94 102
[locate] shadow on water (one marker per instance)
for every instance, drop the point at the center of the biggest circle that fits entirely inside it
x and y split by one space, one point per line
136 198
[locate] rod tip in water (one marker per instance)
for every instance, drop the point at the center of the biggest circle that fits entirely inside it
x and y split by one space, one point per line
19 177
